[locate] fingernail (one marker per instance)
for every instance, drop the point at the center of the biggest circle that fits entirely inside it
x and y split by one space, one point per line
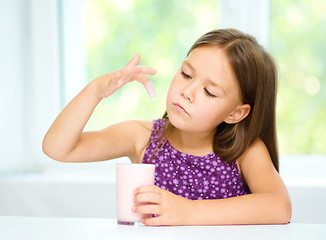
153 70
150 90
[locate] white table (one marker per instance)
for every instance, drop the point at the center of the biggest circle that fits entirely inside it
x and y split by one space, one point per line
36 228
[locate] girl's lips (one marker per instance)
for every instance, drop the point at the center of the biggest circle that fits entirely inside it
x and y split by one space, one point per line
180 108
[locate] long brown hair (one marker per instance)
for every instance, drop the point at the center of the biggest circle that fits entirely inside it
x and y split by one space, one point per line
256 73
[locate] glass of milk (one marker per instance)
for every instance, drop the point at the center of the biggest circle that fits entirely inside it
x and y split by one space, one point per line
129 177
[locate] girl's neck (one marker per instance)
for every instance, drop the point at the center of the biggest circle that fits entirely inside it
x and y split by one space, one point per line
191 143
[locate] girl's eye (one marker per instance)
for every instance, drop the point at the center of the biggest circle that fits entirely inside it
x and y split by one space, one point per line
208 93
185 75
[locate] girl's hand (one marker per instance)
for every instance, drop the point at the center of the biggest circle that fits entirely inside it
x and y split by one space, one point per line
107 84
168 208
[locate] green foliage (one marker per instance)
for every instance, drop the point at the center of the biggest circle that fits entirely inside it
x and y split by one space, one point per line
163 31
298 35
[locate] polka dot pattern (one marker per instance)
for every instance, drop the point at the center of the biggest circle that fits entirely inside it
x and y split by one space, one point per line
192 177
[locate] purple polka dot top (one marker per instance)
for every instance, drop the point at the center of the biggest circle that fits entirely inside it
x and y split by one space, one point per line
189 176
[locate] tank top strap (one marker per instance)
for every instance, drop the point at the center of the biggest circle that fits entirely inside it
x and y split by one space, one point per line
158 129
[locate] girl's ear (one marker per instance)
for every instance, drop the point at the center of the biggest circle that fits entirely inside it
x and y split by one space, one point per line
238 114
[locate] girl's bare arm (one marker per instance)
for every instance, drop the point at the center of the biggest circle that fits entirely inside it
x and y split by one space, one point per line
269 202
66 141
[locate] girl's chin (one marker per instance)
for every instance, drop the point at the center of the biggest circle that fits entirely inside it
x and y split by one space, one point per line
177 121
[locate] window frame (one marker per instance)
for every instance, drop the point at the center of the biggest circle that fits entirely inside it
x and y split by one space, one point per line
51 60
241 15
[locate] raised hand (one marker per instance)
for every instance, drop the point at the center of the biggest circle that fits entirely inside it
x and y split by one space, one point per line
107 84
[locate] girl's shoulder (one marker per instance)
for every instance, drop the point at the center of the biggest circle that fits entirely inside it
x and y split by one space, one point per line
256 163
154 125
134 136
126 138
149 130
257 150
139 133
138 129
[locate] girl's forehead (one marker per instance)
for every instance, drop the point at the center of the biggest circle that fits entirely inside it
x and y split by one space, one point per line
208 58
208 54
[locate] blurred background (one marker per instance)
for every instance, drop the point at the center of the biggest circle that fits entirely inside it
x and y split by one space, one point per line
163 31
51 49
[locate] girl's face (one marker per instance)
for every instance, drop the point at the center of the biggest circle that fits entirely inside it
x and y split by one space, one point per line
204 92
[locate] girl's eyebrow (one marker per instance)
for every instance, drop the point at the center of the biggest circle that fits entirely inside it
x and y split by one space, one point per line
185 62
208 81
215 85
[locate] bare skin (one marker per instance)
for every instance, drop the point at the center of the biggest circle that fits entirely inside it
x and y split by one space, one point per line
66 141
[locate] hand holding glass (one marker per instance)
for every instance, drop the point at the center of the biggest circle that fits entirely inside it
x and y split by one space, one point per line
129 177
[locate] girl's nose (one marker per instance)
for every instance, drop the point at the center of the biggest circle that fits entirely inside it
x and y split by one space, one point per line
188 93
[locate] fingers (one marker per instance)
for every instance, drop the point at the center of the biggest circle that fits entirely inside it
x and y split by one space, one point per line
148 197
134 61
150 90
149 193
133 67
147 188
153 221
145 80
148 84
133 71
147 200
134 64
147 70
148 209
160 207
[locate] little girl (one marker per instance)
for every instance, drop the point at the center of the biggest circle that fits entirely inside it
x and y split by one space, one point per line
215 148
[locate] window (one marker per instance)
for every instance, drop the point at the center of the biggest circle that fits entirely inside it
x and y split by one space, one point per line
98 36
30 85
51 49
161 31
297 40
293 33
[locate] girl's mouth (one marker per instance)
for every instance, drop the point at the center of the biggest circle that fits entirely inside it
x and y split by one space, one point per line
180 108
